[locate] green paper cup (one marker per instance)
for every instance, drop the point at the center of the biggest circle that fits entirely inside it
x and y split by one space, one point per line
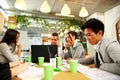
29 59
48 71
73 65
40 61
59 61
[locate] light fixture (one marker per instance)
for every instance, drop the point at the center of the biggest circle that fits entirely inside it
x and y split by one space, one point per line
65 10
4 4
83 11
59 14
45 8
20 4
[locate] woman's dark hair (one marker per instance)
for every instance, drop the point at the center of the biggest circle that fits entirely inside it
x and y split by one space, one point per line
94 24
10 37
73 33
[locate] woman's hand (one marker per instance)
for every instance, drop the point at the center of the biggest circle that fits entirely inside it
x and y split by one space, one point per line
67 45
19 46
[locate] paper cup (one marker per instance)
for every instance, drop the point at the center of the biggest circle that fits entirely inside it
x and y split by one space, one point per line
48 71
29 59
73 65
40 61
58 61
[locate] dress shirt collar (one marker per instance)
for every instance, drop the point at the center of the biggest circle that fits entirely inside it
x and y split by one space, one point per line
97 45
75 43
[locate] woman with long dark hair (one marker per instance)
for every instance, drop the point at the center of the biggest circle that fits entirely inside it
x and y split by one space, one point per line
9 59
8 46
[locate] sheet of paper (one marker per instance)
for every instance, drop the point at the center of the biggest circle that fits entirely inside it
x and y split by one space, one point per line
32 73
97 74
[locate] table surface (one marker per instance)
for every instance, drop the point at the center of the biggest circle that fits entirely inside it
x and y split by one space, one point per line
66 75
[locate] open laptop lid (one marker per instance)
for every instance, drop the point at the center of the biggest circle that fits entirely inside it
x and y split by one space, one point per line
47 51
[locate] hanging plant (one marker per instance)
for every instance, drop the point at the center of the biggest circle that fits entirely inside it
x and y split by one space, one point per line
23 20
36 19
46 24
76 22
12 26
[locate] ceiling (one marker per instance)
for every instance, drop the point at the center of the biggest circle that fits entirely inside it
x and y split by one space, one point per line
33 7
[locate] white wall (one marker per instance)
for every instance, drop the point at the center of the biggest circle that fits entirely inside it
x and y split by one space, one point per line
97 15
23 40
111 17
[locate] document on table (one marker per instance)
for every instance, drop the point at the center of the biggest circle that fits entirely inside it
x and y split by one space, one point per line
33 73
97 74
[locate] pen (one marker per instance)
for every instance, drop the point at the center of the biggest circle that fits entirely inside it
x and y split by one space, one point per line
23 60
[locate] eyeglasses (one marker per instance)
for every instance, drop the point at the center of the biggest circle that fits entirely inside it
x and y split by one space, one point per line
89 34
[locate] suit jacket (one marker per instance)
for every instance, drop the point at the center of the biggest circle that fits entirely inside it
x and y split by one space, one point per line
110 53
78 52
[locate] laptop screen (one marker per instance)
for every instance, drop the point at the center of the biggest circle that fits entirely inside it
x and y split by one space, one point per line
47 51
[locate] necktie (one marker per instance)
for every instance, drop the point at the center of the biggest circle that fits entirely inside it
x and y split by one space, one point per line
97 61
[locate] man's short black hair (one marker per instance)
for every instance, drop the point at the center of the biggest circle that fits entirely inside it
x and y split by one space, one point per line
94 24
54 34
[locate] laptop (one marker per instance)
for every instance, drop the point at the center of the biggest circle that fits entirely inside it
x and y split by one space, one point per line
46 51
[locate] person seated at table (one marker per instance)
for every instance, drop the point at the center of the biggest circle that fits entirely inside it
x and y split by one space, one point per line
55 41
7 52
107 56
73 48
11 69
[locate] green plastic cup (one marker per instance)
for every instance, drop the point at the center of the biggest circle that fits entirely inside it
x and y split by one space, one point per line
73 65
59 61
40 61
29 59
48 71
